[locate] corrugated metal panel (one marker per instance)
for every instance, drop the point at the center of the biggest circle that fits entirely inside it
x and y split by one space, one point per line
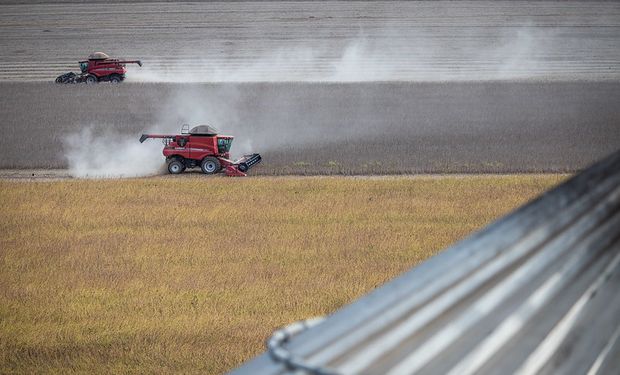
535 292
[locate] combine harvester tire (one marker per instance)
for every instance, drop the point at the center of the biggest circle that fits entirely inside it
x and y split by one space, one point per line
115 78
176 167
210 165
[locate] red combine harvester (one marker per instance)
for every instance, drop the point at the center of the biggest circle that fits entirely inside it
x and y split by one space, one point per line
99 67
202 146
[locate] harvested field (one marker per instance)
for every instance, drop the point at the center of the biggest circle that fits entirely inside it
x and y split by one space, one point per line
168 275
302 128
214 41
450 87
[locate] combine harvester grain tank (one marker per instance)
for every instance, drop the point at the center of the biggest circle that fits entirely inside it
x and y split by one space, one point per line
202 147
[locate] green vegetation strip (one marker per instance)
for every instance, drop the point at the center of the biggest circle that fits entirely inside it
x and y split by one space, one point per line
191 275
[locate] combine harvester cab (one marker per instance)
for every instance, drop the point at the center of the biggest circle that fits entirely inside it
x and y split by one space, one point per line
98 68
203 147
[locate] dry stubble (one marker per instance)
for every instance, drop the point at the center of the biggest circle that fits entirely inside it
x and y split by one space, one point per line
163 274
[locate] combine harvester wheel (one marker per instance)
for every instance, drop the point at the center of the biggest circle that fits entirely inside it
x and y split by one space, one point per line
176 167
210 165
115 78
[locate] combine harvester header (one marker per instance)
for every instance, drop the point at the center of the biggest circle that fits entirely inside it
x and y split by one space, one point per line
202 146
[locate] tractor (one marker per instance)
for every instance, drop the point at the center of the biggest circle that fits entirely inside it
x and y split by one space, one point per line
98 68
202 147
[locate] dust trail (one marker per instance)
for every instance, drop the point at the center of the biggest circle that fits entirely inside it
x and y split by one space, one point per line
285 123
95 154
386 55
218 108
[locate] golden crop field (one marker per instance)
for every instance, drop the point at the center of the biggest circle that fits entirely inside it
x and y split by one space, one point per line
193 274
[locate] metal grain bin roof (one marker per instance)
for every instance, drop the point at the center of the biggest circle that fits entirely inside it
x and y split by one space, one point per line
534 292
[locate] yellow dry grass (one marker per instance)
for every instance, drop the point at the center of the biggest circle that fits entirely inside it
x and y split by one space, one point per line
192 274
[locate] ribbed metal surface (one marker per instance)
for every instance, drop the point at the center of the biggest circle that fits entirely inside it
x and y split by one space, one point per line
535 292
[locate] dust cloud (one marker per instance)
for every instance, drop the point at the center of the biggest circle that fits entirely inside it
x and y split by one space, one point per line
362 60
91 153
94 152
194 106
416 56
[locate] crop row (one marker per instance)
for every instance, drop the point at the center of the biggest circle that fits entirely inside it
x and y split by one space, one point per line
361 128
